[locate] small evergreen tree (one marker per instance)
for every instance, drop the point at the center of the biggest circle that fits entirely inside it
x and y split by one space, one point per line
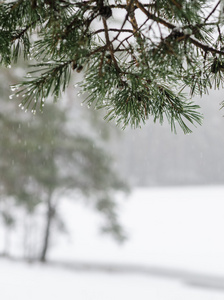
135 67
41 161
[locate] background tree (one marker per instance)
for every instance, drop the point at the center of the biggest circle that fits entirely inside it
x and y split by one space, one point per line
136 67
42 160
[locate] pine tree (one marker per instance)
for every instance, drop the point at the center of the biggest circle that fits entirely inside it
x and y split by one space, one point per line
137 57
42 161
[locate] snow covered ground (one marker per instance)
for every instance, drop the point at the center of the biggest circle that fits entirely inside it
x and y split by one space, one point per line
172 227
35 282
175 251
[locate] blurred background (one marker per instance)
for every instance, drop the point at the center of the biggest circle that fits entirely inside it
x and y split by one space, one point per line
90 211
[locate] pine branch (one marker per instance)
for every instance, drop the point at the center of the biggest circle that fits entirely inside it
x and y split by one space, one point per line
53 80
134 72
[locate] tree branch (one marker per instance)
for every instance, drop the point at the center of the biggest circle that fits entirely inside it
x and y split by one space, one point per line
113 29
153 17
109 44
214 9
204 47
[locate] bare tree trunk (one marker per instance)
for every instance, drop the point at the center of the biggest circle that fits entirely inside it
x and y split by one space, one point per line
47 231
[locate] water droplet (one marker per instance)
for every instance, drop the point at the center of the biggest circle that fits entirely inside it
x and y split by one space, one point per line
11 96
20 104
9 66
13 88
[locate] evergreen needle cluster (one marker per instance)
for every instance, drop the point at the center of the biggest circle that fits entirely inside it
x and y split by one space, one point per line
136 56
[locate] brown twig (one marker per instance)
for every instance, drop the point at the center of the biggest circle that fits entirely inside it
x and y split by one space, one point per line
18 36
130 4
101 63
153 17
214 9
112 29
109 44
204 47
128 7
120 6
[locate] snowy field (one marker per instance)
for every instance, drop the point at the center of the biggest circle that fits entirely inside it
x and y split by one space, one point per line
175 251
24 282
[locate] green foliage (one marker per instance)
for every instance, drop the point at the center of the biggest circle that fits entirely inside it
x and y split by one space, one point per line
8 219
135 68
42 161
